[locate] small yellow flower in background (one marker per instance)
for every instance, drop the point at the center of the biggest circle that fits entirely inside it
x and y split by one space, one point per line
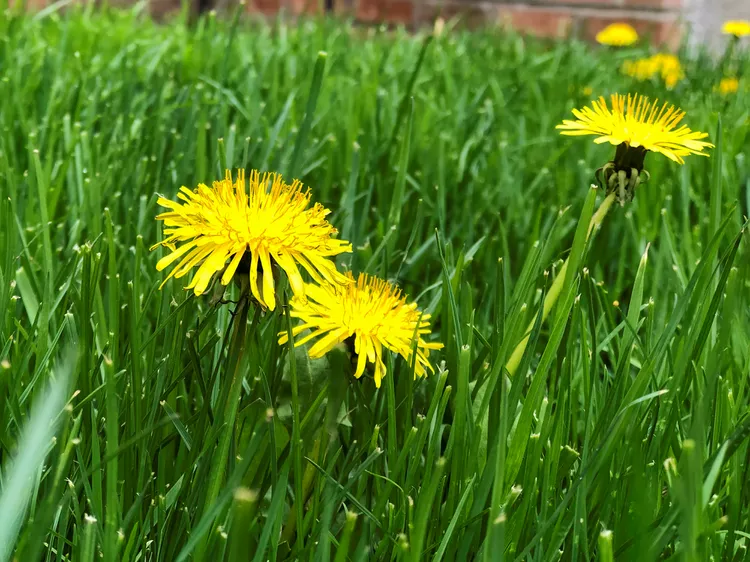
668 65
617 35
254 230
665 65
640 69
371 311
738 28
728 86
636 126
671 77
587 91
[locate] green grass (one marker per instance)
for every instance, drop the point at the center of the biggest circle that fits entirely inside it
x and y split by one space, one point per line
623 434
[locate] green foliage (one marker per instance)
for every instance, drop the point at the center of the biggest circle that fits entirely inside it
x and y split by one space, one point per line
183 431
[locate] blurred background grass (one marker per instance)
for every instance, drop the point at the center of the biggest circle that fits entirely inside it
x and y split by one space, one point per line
625 431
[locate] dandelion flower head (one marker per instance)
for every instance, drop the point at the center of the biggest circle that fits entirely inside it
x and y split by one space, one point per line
665 65
617 35
728 85
638 123
668 67
738 28
272 223
640 69
374 313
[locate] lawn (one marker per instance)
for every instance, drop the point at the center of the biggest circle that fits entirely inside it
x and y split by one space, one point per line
141 423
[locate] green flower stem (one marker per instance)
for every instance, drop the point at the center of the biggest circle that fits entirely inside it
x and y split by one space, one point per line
290 526
725 65
226 412
554 290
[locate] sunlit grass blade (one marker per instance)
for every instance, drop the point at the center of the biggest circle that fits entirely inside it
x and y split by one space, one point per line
21 475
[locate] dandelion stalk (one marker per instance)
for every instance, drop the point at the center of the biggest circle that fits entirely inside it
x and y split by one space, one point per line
226 413
339 366
556 288
735 29
306 484
725 64
635 126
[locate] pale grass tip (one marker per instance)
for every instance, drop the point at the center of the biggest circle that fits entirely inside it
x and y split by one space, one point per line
245 495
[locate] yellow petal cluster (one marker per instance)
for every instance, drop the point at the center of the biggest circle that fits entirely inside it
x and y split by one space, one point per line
665 65
269 223
617 35
637 122
372 312
728 85
256 227
738 28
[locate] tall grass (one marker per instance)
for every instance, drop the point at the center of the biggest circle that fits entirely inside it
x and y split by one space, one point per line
621 435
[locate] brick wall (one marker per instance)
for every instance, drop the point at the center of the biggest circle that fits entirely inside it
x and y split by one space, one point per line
657 19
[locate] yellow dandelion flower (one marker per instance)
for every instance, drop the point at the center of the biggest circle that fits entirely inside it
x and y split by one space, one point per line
666 61
728 86
253 230
672 77
738 28
636 126
639 124
663 64
668 65
640 69
617 35
372 312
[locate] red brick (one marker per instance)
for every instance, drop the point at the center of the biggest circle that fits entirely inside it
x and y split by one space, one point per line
399 12
465 15
266 7
344 7
543 22
299 7
661 28
368 10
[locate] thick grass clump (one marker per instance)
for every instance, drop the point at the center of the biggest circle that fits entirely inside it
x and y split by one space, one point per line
140 424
